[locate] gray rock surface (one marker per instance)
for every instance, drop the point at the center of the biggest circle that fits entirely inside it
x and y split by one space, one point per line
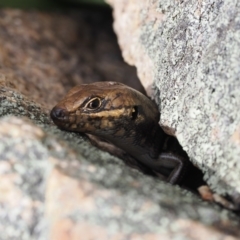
55 183
191 50
23 174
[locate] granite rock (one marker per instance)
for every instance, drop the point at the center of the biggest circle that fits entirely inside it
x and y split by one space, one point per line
187 57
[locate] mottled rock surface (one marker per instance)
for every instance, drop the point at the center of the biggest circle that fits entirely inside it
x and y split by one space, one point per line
190 51
56 185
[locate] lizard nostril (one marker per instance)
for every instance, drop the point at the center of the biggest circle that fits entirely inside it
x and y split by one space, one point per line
58 114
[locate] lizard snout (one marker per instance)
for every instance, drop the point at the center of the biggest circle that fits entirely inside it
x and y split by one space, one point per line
59 115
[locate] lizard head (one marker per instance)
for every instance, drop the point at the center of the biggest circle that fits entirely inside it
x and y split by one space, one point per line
103 108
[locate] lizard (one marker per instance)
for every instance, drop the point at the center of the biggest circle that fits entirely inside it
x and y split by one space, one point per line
129 120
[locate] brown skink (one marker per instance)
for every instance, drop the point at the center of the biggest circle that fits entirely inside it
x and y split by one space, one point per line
126 118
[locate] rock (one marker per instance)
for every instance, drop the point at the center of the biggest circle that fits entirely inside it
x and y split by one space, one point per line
86 192
46 53
55 184
190 52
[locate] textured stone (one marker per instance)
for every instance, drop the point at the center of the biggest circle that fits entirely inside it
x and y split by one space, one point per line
67 189
191 51
23 170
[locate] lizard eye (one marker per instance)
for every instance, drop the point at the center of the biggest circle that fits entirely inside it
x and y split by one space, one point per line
94 103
